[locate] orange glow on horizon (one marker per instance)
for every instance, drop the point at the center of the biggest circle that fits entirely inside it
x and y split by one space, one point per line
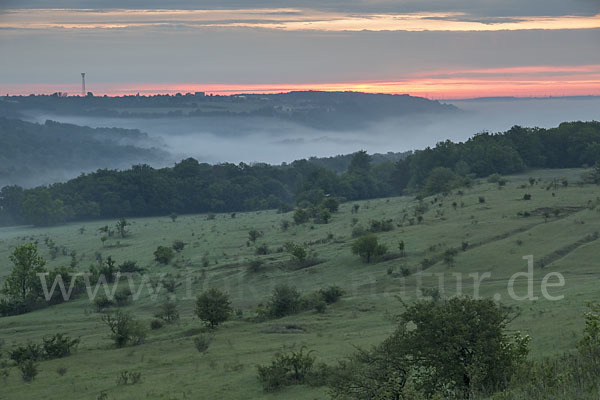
526 81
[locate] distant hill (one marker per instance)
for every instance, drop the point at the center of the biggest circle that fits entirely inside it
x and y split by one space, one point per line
320 110
34 154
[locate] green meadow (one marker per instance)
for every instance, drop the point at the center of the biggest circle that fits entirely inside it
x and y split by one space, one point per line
492 227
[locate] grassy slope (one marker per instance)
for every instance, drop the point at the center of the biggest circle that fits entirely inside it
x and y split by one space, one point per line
172 368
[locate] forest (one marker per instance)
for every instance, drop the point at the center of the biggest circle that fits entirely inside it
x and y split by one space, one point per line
194 187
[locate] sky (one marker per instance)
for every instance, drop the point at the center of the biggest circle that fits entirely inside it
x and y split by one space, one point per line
440 49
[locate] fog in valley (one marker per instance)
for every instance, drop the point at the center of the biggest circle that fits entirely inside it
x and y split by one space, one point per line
273 140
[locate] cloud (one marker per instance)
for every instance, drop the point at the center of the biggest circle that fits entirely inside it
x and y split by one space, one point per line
481 8
289 19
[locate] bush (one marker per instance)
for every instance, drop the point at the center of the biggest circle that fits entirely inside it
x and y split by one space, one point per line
168 312
481 199
130 267
30 351
28 370
358 231
297 251
58 346
213 307
255 265
123 297
163 254
526 196
102 303
367 247
331 204
332 294
178 245
156 324
381 226
285 300
293 368
125 330
129 377
202 343
262 250
301 216
493 178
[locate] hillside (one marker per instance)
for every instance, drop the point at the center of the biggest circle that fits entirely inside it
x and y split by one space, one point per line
490 224
34 154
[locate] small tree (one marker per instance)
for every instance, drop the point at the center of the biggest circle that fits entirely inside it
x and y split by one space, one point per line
23 285
163 254
367 247
173 217
253 234
121 226
213 307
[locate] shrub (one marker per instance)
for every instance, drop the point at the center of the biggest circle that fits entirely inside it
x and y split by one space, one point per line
332 294
322 216
297 251
293 368
285 300
284 224
301 216
129 377
30 351
493 178
156 324
262 250
381 226
331 204
368 247
168 312
61 371
481 199
178 245
130 267
123 297
28 370
358 231
526 196
202 343
163 254
255 265
102 303
59 345
253 234
124 329
213 307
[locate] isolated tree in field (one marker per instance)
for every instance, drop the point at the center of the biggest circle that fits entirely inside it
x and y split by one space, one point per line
213 307
253 234
23 285
121 226
173 217
368 247
163 254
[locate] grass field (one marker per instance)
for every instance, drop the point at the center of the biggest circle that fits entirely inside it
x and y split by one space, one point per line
498 239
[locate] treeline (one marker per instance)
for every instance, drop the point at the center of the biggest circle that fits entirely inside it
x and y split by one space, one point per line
193 187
